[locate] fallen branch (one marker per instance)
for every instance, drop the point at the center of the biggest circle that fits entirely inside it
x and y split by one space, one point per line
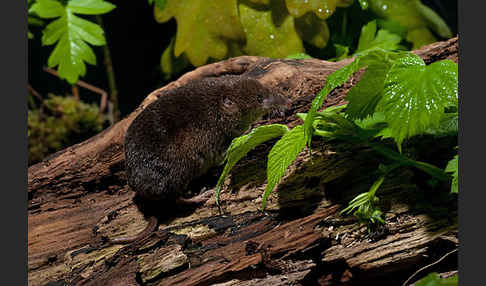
79 195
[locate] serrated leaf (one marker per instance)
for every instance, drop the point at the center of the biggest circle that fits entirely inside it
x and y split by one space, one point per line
321 8
377 118
339 127
416 95
453 167
79 28
47 9
283 153
375 122
333 80
364 201
240 146
90 7
367 35
71 34
321 119
365 95
370 40
203 27
262 32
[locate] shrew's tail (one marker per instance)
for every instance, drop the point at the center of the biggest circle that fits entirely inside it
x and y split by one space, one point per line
152 224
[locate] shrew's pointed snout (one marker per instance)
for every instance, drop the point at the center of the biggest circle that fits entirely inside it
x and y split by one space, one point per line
276 101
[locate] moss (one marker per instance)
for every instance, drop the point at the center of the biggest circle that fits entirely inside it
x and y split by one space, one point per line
61 122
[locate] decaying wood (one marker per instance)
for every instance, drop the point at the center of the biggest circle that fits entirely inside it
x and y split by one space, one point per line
79 195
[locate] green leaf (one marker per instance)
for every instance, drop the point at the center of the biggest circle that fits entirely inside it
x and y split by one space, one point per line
433 279
416 95
412 15
367 35
365 95
336 126
322 118
262 32
365 200
240 146
213 30
47 9
321 8
90 7
204 28
374 122
334 80
370 40
452 167
283 153
71 34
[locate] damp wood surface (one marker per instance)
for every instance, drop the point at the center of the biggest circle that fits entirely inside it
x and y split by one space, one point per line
79 195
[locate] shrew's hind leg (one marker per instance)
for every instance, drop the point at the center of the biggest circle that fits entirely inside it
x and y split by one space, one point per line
199 199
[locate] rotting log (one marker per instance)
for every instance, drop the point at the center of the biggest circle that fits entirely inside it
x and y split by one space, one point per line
79 195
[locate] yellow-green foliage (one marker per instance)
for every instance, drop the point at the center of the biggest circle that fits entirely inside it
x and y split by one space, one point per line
220 29
63 121
225 28
416 17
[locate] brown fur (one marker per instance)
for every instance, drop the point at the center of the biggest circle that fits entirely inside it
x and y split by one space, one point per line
177 138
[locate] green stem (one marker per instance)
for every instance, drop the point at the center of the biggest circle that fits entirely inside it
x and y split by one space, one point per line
426 167
111 76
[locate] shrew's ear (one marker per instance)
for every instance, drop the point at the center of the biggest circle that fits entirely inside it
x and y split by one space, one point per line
228 106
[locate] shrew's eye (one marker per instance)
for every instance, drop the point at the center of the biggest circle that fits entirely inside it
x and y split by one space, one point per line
227 102
260 98
228 105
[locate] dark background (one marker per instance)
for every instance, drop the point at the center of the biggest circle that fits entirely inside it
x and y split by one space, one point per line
136 43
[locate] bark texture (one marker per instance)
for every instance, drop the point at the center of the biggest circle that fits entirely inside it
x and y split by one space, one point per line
79 195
